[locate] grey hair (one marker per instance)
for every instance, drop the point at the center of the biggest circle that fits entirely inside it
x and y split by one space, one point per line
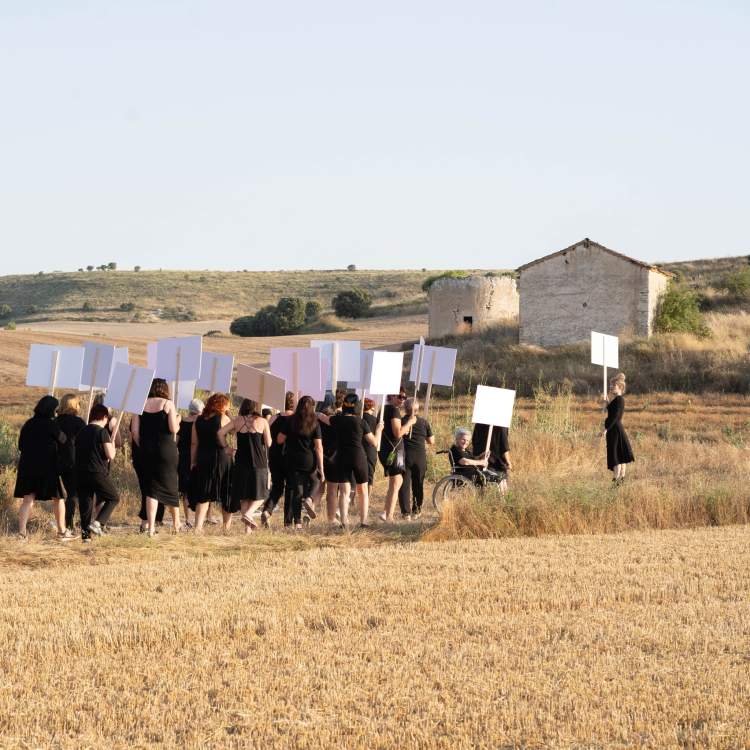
461 431
196 406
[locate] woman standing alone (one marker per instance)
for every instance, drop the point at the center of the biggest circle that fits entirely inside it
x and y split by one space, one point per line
619 452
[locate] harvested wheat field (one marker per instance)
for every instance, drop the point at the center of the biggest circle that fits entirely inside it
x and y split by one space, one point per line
635 640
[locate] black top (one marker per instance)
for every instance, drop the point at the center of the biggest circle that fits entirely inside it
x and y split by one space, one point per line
299 453
350 431
619 450
251 448
371 450
390 412
615 410
276 451
498 445
71 425
329 438
457 454
90 456
416 442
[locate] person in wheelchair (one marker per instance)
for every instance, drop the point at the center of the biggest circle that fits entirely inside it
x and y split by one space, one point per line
498 460
465 463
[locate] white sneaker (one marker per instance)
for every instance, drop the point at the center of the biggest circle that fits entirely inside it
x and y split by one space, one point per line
96 528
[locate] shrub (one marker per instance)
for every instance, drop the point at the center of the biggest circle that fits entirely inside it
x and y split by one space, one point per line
87 306
430 280
89 268
127 306
31 309
136 268
282 319
312 310
242 326
178 313
351 267
10 325
352 303
5 311
111 266
736 283
679 312
8 445
290 312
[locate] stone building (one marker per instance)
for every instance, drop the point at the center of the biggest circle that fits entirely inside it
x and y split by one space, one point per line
470 304
566 295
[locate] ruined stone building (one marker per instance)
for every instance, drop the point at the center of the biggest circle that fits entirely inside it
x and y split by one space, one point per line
566 295
471 304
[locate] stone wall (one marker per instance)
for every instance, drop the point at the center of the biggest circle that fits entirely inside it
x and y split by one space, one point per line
567 296
483 300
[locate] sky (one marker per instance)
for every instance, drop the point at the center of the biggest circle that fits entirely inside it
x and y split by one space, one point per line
236 134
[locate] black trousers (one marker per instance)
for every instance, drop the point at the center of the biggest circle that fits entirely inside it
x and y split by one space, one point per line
411 493
68 477
299 485
278 483
106 494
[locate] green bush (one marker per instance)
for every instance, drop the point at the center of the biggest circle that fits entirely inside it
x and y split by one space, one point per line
282 319
8 445
313 309
352 303
87 307
10 325
290 314
5 311
736 283
430 280
127 306
679 312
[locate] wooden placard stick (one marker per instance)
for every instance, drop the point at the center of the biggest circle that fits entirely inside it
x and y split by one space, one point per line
429 386
381 418
489 438
53 373
295 375
93 380
420 362
604 362
213 374
262 394
178 357
361 404
123 403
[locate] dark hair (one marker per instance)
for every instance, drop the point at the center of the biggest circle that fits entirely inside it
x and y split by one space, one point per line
159 388
339 398
46 407
98 412
350 402
248 407
266 413
304 421
289 401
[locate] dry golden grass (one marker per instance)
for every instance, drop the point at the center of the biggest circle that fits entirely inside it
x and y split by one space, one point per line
637 640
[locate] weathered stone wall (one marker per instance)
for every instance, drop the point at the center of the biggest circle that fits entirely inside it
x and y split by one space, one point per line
567 296
484 299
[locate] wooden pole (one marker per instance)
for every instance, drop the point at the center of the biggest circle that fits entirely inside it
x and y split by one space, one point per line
420 361
429 386
489 438
177 378
361 406
94 369
123 403
604 363
53 373
381 418
262 393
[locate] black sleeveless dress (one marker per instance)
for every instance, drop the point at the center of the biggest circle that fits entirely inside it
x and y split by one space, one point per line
250 472
184 438
209 481
618 445
158 458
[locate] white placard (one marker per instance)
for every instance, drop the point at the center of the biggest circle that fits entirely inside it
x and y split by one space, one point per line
385 373
98 360
151 355
41 369
347 359
185 393
306 380
441 358
260 386
129 388
216 372
604 350
365 370
493 406
190 349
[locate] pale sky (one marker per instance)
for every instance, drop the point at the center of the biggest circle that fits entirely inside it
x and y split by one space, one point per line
394 134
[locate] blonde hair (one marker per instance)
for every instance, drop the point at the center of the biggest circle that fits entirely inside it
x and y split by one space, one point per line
615 380
70 404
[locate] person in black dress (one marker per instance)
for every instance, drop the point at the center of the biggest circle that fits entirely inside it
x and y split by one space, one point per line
135 458
184 438
392 451
70 422
328 435
303 460
249 485
411 494
38 476
210 465
95 449
499 456
371 451
155 432
350 462
619 452
276 460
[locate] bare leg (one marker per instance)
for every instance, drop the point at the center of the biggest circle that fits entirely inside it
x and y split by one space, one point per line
24 512
363 502
394 485
175 513
201 512
344 490
504 487
186 508
151 507
58 509
226 521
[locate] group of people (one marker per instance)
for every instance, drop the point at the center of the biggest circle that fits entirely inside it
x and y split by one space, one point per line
304 454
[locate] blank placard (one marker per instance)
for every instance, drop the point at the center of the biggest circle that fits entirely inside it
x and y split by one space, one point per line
98 360
129 388
190 349
262 387
385 373
365 370
306 379
216 372
185 393
348 359
604 350
438 360
493 406
41 367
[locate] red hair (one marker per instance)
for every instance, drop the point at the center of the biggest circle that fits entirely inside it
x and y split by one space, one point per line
217 403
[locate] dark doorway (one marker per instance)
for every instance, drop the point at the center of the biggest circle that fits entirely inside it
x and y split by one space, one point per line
469 320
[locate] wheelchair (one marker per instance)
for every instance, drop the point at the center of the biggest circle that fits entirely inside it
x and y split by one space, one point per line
448 487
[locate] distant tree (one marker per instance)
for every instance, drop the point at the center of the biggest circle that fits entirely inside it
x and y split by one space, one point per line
136 268
290 312
284 318
41 273
351 267
112 266
87 306
127 306
5 311
679 312
736 283
312 310
89 268
80 270
352 303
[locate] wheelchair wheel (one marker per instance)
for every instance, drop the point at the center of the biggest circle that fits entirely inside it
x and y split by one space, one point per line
446 488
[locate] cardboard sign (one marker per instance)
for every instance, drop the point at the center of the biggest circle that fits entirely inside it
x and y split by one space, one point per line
604 350
54 366
300 368
98 362
129 387
438 364
216 372
341 358
151 355
493 406
179 358
260 386
365 370
184 393
385 373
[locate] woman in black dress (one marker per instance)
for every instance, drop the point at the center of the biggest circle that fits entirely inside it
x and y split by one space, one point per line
392 451
210 465
411 494
38 475
70 422
276 460
154 432
249 486
184 438
303 459
619 452
371 451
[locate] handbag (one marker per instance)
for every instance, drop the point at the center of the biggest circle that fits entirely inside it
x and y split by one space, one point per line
396 458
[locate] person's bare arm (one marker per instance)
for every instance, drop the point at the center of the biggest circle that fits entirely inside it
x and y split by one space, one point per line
373 437
172 417
324 418
318 443
193 447
430 440
267 439
401 428
221 435
506 459
110 450
135 429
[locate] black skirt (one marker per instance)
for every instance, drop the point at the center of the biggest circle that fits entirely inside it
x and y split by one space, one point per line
618 447
248 483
